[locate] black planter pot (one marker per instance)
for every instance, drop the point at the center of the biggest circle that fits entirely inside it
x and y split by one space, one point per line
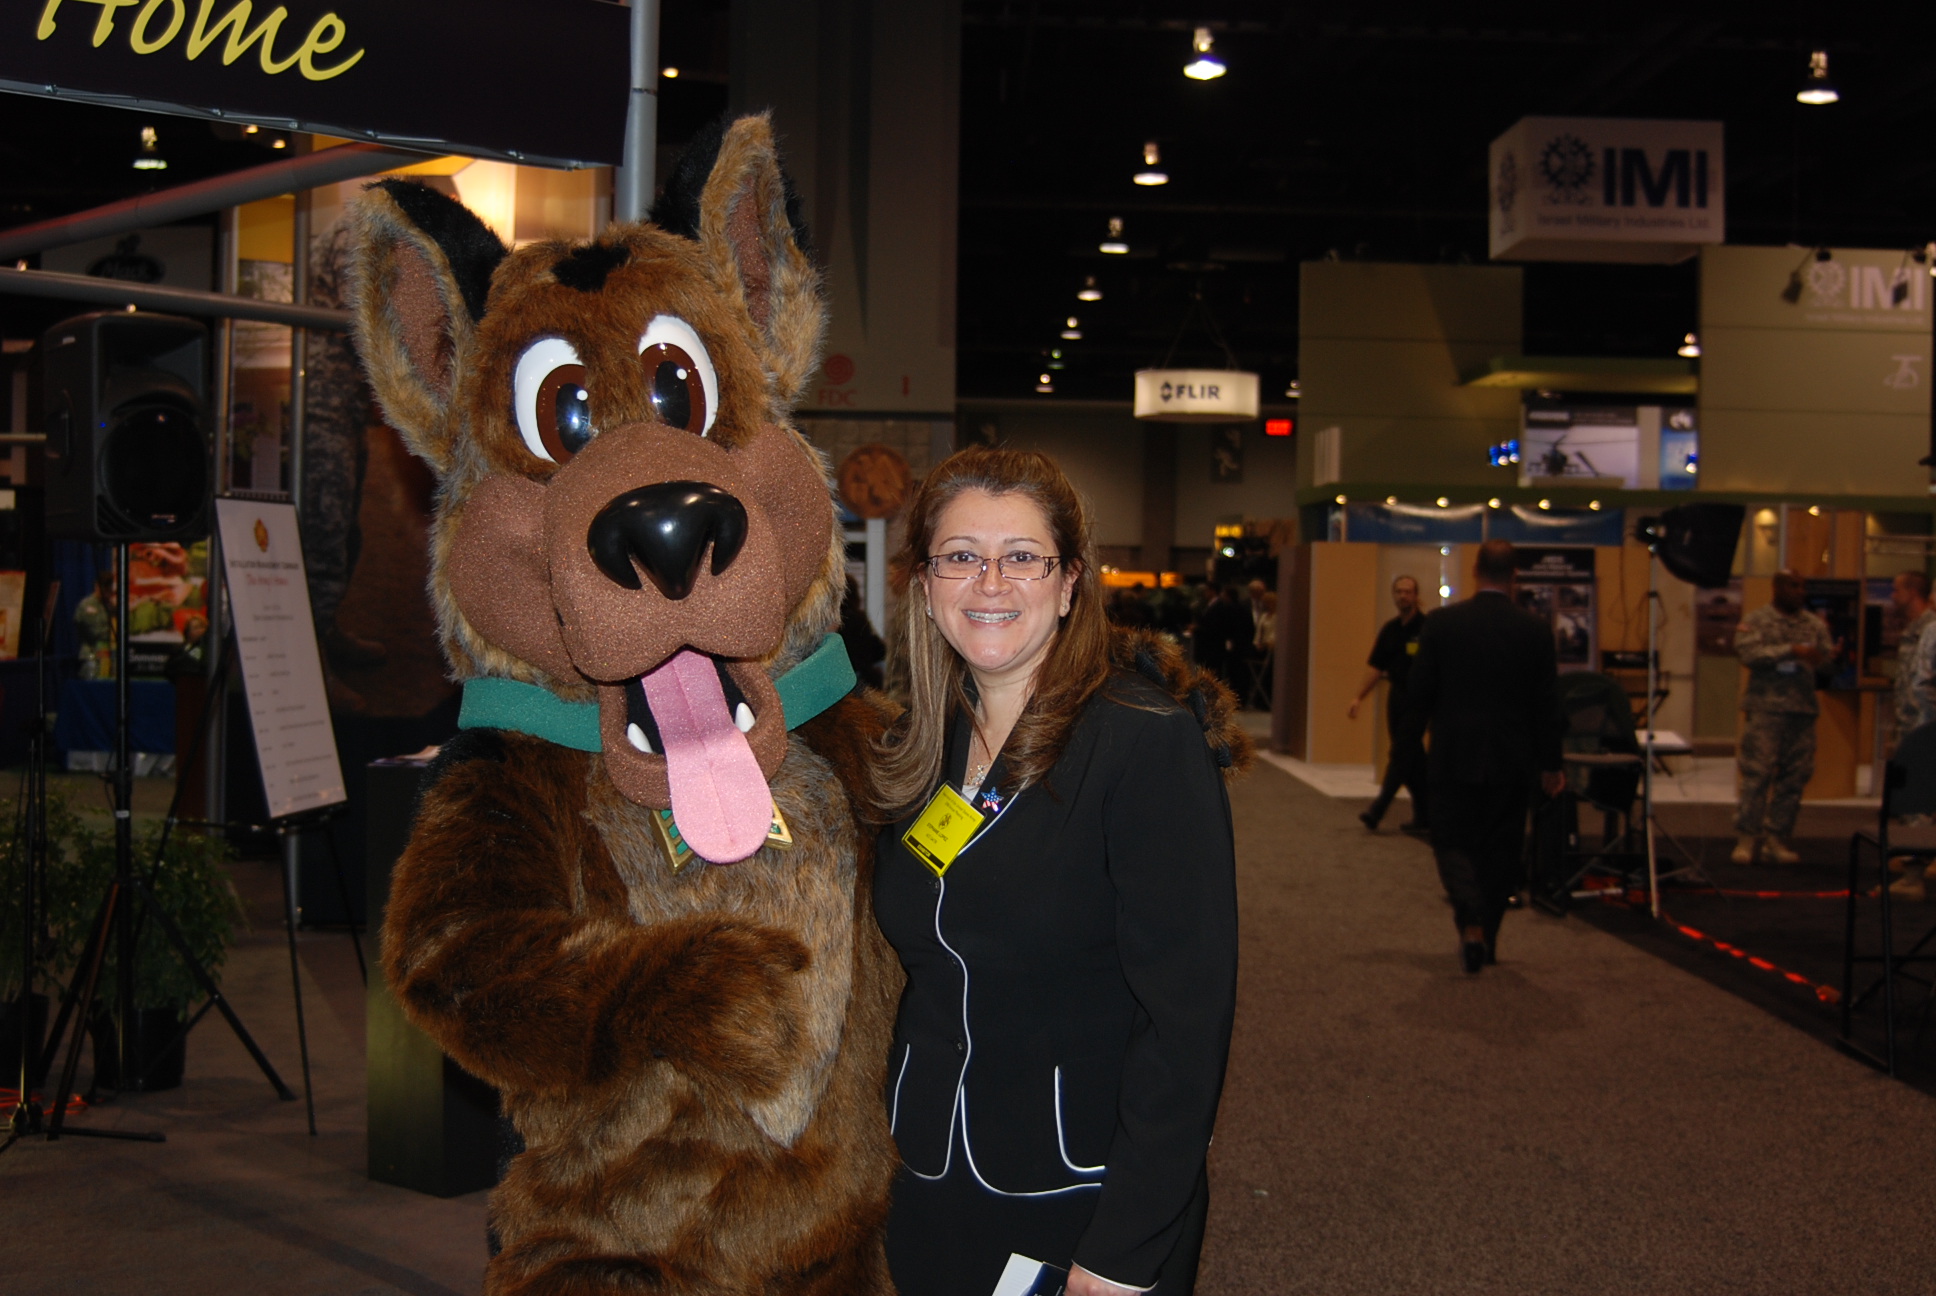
10 1035
151 1068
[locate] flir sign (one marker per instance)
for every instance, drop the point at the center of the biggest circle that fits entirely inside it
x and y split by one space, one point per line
1196 395
1606 189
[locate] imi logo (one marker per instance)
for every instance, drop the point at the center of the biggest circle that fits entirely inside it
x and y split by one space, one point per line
1833 286
1575 173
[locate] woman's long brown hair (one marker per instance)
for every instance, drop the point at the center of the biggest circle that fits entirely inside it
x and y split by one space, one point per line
909 757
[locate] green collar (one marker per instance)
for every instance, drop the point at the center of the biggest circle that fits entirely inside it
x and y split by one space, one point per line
822 679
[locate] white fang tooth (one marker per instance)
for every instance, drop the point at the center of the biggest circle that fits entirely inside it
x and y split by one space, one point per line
637 737
743 718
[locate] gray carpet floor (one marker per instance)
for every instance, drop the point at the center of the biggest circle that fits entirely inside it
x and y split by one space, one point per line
1581 1119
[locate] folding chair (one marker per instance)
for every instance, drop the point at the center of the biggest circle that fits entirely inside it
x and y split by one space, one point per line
1908 788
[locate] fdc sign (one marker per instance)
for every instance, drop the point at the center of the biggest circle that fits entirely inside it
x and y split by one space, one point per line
1601 189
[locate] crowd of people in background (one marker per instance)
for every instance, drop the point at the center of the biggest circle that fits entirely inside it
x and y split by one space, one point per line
1230 629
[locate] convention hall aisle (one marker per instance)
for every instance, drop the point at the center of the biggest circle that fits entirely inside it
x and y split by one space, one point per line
1580 1119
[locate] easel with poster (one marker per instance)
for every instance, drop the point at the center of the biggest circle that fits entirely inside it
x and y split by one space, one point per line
282 678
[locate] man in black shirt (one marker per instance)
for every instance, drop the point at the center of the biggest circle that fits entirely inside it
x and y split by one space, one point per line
1391 659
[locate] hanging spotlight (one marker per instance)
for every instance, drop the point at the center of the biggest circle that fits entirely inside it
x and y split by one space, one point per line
670 74
1151 174
279 142
1493 502
1391 499
1044 383
1443 502
1594 505
150 158
1817 88
1206 66
1293 392
1690 348
1071 330
1340 499
1089 291
1546 504
1114 244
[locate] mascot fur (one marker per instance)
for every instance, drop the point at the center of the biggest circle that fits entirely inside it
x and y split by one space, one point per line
636 899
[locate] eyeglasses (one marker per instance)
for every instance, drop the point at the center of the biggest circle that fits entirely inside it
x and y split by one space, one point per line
972 566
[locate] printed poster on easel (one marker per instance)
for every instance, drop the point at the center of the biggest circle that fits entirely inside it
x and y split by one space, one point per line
282 672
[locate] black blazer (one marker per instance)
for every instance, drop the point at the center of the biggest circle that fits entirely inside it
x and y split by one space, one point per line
1071 981
1485 675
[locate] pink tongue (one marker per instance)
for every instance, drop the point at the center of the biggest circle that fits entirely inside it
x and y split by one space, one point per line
719 797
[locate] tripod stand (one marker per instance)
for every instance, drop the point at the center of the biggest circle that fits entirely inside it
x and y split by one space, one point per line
116 920
1651 825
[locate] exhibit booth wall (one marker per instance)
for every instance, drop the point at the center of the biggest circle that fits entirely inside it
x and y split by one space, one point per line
1383 352
1826 394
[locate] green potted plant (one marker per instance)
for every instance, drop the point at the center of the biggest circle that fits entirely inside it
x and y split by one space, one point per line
65 909
192 886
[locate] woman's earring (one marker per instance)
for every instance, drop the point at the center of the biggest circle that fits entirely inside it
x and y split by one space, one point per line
930 608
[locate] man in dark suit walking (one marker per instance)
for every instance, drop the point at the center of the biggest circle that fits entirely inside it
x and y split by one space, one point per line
1485 676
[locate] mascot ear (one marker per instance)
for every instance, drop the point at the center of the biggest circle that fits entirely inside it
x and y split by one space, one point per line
421 270
729 193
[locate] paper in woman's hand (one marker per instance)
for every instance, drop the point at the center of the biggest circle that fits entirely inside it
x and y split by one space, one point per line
1026 1277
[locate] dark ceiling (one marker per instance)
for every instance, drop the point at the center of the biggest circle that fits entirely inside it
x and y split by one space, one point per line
1355 131
1360 132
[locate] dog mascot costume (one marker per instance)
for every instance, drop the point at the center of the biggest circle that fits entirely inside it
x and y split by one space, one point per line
636 899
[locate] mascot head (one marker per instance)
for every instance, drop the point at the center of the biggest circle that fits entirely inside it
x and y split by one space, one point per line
625 516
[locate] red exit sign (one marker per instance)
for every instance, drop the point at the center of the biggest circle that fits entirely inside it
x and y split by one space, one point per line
1279 427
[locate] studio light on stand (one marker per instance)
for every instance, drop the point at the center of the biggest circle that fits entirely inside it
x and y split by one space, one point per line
1696 543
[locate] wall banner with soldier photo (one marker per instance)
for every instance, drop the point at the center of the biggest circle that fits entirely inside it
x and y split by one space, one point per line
1555 584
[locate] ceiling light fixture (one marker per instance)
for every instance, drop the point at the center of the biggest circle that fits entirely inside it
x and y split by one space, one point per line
1293 391
670 74
1044 383
1443 501
1546 504
278 142
1114 244
1151 174
1594 505
1816 87
1493 502
1089 291
1690 348
251 129
1206 66
149 158
1340 499
1072 330
1391 499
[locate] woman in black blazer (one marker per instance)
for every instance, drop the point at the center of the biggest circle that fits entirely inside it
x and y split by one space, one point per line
1072 968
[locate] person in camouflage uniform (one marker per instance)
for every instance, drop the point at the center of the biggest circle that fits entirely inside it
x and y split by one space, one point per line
336 411
1915 682
1782 645
1914 698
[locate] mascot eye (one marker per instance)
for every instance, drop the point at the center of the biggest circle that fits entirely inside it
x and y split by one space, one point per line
679 375
552 400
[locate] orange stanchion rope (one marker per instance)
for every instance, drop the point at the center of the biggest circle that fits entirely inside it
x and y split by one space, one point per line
10 1098
1828 994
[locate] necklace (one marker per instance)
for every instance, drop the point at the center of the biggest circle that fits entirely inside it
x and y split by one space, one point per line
977 772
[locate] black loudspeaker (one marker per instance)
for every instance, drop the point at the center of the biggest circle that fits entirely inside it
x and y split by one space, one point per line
1695 541
125 397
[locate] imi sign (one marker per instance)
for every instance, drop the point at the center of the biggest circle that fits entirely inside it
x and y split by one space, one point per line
1597 189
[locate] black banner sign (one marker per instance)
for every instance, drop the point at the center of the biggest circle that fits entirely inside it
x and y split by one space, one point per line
542 81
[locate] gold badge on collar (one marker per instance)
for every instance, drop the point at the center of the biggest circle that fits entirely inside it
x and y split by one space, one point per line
678 854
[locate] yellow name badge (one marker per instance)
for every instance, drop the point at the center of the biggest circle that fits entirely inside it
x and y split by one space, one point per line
944 828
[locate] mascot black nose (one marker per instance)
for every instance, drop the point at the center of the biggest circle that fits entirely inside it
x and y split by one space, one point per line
665 529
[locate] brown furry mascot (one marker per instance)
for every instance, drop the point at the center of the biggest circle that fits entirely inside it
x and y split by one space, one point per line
636 899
